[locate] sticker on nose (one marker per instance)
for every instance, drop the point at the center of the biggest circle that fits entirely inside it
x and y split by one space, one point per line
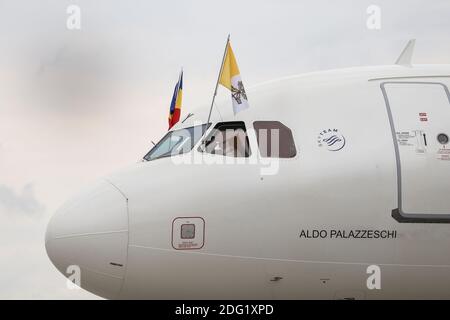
188 233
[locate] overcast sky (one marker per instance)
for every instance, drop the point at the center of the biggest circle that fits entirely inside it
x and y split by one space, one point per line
78 104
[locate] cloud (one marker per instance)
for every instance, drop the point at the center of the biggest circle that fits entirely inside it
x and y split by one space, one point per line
23 203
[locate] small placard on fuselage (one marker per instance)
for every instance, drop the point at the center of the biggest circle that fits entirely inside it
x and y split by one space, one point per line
188 233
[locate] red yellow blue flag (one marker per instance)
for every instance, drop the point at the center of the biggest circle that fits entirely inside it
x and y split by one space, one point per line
175 105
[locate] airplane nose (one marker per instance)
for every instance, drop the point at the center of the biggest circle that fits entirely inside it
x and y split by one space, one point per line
89 234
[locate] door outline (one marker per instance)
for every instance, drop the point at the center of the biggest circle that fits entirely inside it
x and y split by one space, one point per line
398 214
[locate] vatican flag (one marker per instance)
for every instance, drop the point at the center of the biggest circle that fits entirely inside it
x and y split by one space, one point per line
230 78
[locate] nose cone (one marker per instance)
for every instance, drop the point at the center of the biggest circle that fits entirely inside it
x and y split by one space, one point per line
90 232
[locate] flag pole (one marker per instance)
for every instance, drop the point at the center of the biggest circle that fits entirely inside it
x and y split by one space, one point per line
218 79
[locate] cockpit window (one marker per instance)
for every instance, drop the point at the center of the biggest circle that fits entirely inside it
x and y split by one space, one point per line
275 140
227 139
176 142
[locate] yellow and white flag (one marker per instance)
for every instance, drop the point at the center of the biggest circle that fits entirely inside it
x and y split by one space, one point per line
230 78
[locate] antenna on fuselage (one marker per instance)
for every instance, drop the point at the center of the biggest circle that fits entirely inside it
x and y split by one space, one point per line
406 56
187 117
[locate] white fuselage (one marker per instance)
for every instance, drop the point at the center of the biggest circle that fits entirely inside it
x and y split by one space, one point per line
304 227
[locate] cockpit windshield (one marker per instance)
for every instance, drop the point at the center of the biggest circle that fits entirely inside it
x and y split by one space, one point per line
176 142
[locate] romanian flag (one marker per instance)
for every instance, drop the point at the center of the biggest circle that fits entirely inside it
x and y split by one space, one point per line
175 105
230 78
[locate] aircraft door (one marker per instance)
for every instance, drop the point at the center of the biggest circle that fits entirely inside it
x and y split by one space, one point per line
419 115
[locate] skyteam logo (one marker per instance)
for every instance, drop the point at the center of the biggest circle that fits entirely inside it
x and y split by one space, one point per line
331 139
